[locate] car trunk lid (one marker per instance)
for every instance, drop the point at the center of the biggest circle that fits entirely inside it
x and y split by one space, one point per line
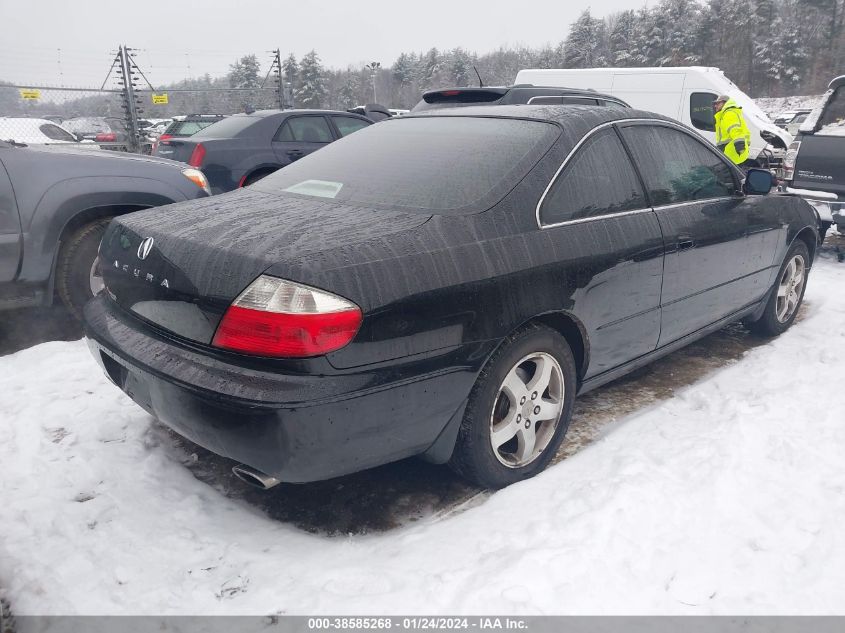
180 267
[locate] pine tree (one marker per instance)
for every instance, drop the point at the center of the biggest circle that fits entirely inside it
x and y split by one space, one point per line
585 43
428 69
460 67
244 73
290 73
311 92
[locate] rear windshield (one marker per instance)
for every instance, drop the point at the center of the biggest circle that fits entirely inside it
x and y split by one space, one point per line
188 128
438 164
228 127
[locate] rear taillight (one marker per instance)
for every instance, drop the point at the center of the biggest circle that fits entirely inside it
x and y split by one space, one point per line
105 137
197 155
789 160
198 178
161 138
275 317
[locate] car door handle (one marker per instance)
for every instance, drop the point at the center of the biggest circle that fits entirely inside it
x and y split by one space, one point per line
685 243
295 153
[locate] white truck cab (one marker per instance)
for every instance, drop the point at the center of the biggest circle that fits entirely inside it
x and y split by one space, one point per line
685 94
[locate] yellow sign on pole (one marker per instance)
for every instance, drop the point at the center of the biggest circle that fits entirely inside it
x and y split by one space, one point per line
30 95
160 99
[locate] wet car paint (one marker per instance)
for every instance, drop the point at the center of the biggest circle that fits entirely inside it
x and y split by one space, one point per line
438 294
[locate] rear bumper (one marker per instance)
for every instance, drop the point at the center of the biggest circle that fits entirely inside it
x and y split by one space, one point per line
295 427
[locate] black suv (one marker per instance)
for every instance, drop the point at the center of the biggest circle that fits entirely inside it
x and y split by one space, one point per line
510 95
814 167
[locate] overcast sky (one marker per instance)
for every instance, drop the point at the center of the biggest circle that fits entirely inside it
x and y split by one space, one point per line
180 38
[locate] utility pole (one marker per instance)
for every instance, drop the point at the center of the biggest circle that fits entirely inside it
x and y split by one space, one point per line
280 80
374 68
130 101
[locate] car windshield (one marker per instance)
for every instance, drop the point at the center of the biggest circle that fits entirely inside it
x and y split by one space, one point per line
431 164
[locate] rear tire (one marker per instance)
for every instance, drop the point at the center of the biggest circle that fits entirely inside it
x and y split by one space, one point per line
77 272
787 293
531 374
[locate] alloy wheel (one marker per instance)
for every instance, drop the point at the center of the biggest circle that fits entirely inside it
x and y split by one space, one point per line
790 286
527 410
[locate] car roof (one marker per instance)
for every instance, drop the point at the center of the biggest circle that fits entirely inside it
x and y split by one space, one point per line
563 115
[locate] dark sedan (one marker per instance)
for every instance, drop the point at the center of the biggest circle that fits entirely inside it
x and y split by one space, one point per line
448 296
244 148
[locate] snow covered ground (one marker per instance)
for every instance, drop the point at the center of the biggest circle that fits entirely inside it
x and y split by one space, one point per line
773 106
727 498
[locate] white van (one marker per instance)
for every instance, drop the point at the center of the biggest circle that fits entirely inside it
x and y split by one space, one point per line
683 93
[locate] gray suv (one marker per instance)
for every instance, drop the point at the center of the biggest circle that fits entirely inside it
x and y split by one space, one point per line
55 204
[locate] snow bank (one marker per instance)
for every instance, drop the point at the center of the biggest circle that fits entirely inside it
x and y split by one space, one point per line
728 498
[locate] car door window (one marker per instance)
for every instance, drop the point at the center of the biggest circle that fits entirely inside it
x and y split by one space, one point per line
598 180
347 124
677 167
701 111
283 134
305 129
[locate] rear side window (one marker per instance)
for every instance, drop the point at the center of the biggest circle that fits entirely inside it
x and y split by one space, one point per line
440 164
56 133
701 111
347 124
187 128
598 180
677 167
304 129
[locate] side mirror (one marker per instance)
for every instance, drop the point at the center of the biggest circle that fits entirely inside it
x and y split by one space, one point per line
79 138
758 182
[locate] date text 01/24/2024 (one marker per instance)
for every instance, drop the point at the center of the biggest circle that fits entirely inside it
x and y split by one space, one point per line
424 623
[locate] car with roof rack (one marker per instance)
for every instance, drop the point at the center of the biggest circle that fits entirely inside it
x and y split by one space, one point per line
511 95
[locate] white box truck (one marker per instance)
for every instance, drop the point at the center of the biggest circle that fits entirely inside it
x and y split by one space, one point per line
683 93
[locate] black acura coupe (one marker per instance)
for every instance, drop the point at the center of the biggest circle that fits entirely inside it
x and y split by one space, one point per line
441 284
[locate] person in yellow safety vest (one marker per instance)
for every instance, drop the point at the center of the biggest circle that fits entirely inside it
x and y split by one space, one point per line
732 135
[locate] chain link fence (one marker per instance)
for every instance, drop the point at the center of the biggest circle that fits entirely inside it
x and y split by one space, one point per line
127 113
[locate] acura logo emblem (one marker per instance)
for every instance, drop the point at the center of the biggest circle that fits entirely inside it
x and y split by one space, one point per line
145 248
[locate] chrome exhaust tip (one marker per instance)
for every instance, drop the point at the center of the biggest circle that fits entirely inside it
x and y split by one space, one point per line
255 477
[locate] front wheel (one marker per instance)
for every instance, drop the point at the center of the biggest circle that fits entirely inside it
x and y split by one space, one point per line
78 275
518 411
787 294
